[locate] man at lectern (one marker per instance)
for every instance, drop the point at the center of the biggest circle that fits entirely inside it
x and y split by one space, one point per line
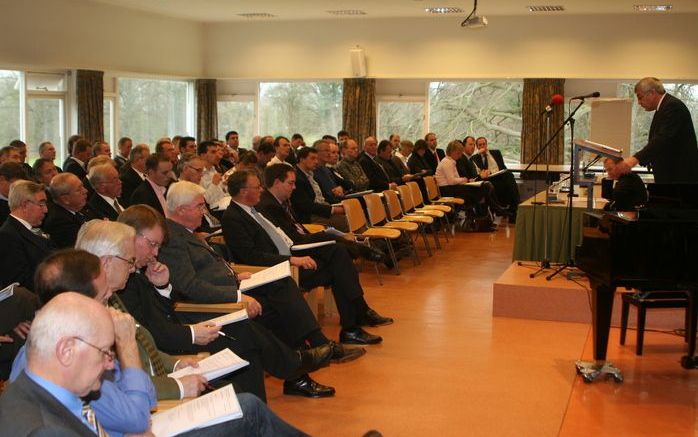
671 149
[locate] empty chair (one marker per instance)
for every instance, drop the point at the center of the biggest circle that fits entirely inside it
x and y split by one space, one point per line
377 218
395 213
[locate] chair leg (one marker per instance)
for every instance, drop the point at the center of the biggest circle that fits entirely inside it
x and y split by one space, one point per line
415 255
425 239
393 257
435 233
625 308
641 314
448 225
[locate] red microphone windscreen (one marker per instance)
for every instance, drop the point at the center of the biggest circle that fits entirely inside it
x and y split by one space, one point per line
557 99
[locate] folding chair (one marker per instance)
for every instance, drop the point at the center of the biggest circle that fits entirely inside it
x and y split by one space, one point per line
395 214
419 205
377 218
408 207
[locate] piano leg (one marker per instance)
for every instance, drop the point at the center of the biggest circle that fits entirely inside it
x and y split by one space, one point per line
690 361
602 308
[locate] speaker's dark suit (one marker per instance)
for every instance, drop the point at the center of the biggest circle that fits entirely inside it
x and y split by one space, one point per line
377 177
146 195
63 226
100 209
671 148
431 159
249 243
20 252
199 274
252 342
74 167
130 180
27 409
303 200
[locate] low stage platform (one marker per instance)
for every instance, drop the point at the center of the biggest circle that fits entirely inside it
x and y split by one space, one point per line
518 296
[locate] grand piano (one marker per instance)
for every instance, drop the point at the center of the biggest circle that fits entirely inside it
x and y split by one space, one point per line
654 247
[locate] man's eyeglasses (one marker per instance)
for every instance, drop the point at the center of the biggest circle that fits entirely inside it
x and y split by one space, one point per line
40 204
131 262
109 354
151 243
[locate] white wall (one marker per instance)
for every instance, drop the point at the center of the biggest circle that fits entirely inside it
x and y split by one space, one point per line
67 34
610 47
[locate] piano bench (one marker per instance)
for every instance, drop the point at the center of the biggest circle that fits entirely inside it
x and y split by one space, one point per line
643 301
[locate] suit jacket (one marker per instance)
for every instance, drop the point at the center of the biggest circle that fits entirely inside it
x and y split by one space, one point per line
100 209
197 272
496 154
20 252
28 409
146 195
275 213
63 226
14 310
303 199
671 148
393 171
628 193
466 168
130 180
4 211
247 241
378 178
72 166
431 160
417 164
120 161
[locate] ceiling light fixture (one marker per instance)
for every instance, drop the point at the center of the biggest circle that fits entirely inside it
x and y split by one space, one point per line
443 10
545 8
347 12
652 8
473 21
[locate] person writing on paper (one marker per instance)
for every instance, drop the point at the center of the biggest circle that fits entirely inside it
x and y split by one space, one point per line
671 151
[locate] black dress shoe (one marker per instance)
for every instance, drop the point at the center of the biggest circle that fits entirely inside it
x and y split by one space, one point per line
358 336
371 253
305 386
372 318
314 358
343 354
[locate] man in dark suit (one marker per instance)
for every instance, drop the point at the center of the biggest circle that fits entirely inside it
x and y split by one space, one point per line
77 162
378 178
628 192
104 200
253 239
24 245
490 161
123 152
671 151
151 192
434 155
133 173
9 172
64 366
21 147
16 313
67 212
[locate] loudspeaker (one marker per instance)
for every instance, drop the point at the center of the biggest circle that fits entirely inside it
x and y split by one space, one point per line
358 62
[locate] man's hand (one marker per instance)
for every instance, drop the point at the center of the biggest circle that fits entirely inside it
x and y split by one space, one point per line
125 339
193 385
338 209
186 362
626 165
6 339
253 307
484 174
338 191
244 275
216 178
22 329
392 186
158 274
205 333
304 262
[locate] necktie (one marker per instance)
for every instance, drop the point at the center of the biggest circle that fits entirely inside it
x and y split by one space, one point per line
212 221
279 242
287 207
156 363
117 207
436 155
484 161
89 415
39 232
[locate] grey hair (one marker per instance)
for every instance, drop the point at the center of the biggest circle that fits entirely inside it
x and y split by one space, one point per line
105 238
182 193
140 151
60 185
22 190
100 160
98 173
647 84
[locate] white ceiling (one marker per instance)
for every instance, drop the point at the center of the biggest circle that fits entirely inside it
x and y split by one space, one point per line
228 10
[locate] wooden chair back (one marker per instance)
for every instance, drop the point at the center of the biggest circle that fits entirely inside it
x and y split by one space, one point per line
375 209
432 187
417 198
406 198
356 220
393 202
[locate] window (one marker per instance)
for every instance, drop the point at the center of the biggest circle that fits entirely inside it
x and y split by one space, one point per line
151 109
109 122
239 115
405 118
312 109
582 127
44 123
9 106
489 109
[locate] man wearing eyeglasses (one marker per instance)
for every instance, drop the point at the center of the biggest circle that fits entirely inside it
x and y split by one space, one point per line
24 244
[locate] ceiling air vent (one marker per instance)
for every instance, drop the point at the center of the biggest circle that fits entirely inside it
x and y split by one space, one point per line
347 12
443 10
545 8
258 15
652 8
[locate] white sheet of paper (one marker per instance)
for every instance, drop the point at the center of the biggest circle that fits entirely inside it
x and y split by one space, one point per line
312 245
214 366
229 318
474 184
210 409
271 274
8 291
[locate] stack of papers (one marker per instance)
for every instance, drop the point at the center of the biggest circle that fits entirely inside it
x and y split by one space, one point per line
312 245
214 366
229 318
211 409
271 274
8 291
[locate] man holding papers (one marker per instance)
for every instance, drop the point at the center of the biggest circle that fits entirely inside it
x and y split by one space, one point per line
253 239
491 163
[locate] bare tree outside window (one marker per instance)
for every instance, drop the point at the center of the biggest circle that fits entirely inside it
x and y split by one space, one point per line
44 123
9 106
403 118
237 116
488 108
310 108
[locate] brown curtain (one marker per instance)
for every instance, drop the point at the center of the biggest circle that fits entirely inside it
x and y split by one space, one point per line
359 108
206 109
90 96
536 95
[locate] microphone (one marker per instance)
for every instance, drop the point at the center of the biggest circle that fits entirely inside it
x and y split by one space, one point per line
594 94
555 100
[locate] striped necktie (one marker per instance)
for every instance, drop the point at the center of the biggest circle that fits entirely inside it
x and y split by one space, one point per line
158 367
89 415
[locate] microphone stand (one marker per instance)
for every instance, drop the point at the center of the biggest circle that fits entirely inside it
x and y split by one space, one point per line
570 197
